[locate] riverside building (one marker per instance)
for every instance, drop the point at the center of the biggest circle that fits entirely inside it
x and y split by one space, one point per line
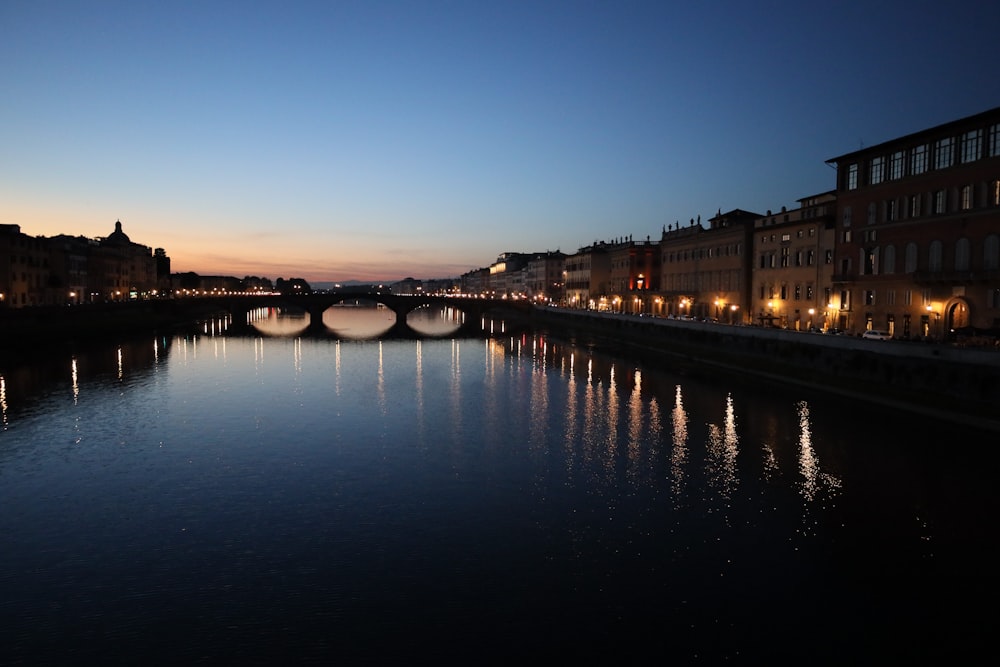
918 231
793 266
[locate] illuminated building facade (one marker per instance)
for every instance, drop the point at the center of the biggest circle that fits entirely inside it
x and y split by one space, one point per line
587 273
705 272
918 231
793 265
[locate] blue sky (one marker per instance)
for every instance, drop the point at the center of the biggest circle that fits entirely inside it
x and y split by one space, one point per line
379 140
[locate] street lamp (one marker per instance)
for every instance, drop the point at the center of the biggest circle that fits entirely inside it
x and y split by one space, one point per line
732 313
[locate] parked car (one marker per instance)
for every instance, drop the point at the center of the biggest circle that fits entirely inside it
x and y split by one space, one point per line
875 334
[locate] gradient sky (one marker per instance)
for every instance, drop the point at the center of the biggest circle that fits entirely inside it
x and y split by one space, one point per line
377 140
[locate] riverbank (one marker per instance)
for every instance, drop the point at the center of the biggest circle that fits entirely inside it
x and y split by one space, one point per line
929 379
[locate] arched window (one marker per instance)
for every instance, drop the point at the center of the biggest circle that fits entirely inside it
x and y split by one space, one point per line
934 256
962 255
889 261
991 252
910 259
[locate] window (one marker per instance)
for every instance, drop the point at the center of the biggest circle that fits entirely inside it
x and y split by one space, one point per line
828 258
890 209
910 258
845 299
810 257
876 170
939 201
991 252
918 159
993 149
798 258
962 255
914 206
944 153
869 297
785 238
896 163
934 256
907 297
847 216
847 236
972 145
798 292
995 191
784 257
965 200
889 260
870 235
890 297
852 176
869 261
809 292
784 292
871 213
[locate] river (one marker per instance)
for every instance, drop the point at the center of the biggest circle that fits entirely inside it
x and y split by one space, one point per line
207 498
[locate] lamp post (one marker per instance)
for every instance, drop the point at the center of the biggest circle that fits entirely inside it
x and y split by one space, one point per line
732 313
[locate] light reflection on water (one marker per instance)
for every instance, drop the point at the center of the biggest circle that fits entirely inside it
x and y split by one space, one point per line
512 484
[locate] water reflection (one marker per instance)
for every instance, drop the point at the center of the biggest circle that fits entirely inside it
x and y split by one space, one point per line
279 321
678 452
3 402
435 320
813 478
359 319
722 453
75 379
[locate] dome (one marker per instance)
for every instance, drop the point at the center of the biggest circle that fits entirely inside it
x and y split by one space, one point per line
118 236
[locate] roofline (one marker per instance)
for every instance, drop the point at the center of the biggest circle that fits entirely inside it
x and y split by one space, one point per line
914 135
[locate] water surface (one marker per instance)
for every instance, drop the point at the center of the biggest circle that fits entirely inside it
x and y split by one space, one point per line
240 499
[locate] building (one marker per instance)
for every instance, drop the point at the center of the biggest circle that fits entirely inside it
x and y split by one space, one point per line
121 270
705 272
587 273
792 273
917 249
634 275
506 278
25 265
544 277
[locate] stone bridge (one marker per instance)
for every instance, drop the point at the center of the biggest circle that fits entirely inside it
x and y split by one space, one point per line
474 309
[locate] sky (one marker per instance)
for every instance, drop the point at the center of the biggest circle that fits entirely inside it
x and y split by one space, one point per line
340 140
